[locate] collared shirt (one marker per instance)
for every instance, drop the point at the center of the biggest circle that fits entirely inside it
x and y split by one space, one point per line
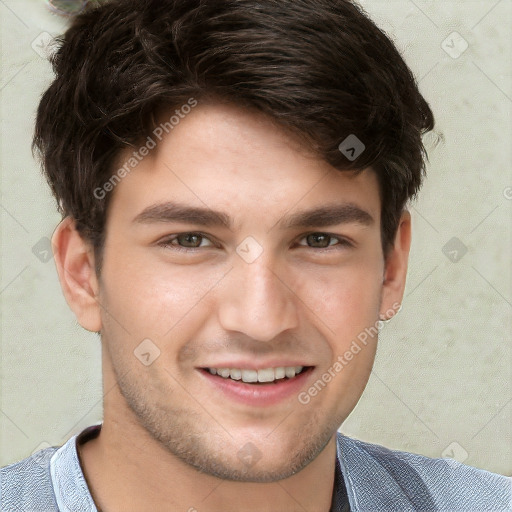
368 477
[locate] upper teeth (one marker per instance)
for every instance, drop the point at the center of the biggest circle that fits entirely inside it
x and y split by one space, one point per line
264 375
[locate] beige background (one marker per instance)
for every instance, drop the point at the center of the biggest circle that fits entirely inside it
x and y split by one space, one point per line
442 380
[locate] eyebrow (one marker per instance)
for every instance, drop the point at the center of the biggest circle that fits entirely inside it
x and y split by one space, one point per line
327 215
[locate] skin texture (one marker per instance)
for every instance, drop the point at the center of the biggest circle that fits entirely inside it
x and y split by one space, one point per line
170 440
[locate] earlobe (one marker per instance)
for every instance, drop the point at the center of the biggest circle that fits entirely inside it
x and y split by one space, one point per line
74 259
395 271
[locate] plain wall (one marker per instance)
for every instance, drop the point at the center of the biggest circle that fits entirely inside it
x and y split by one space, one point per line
441 384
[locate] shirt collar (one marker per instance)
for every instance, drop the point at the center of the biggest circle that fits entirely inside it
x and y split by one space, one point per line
69 485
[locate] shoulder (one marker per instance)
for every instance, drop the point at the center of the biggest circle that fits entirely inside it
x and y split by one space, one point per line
441 482
27 485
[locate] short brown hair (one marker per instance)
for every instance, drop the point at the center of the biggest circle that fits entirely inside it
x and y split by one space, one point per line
320 68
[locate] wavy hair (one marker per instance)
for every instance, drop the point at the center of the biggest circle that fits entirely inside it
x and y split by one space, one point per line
321 69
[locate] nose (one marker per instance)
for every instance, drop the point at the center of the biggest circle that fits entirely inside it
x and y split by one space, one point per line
256 301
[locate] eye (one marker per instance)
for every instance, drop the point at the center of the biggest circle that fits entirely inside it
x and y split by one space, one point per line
185 241
325 240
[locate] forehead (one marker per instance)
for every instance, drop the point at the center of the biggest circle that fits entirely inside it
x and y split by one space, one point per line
231 159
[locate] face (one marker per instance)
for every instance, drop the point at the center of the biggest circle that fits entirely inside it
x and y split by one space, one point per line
230 251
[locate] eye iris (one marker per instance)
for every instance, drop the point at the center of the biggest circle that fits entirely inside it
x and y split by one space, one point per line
189 238
315 237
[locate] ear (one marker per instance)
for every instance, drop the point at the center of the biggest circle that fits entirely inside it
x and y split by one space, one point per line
74 259
395 270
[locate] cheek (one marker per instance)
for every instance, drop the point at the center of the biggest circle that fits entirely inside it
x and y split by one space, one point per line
151 301
346 299
347 302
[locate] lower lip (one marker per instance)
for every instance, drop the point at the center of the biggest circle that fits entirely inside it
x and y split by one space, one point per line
258 394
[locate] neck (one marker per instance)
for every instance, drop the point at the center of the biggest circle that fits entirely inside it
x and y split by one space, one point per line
141 476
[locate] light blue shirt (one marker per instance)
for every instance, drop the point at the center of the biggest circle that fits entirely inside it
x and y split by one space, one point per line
371 477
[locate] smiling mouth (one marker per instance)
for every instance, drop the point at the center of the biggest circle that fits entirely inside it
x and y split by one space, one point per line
262 376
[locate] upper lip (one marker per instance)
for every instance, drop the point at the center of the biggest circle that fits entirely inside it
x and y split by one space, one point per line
254 365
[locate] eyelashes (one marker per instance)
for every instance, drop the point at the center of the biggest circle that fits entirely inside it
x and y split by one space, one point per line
191 236
343 242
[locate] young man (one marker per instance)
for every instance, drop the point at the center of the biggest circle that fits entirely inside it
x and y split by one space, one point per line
233 177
